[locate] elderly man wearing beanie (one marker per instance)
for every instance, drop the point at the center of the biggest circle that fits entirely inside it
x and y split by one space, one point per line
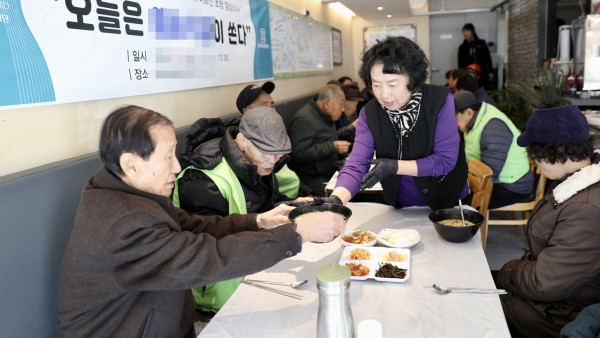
560 273
239 179
491 137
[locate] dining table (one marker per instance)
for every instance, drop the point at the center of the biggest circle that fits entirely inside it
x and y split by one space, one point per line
411 308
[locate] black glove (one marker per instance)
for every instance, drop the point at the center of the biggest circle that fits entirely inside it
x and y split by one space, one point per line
333 199
384 167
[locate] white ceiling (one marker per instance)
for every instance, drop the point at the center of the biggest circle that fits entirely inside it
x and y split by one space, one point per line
367 9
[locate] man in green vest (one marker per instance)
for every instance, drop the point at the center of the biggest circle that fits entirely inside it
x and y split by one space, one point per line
491 137
253 96
239 178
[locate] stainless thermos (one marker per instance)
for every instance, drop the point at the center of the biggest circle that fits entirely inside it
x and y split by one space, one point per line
334 319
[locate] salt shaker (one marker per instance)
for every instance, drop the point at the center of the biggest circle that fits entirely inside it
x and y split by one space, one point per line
334 319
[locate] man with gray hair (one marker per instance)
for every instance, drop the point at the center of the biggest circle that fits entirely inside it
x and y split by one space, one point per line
315 145
132 256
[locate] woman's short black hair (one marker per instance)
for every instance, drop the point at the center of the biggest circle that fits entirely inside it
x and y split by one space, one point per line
127 130
398 55
469 26
560 153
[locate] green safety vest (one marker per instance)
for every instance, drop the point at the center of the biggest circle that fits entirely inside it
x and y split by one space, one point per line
289 183
516 164
212 297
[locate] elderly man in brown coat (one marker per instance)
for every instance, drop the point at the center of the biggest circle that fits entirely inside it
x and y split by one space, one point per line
133 256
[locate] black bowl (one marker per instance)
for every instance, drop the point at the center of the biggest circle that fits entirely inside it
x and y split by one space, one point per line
308 208
456 234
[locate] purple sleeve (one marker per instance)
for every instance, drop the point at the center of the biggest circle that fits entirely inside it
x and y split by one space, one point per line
357 163
446 143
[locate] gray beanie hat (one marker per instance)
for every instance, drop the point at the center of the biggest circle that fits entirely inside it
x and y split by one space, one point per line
266 130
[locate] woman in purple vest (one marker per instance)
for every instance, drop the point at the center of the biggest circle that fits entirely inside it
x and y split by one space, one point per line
411 128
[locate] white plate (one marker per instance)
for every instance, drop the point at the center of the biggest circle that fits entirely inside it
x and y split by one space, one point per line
349 233
378 255
399 238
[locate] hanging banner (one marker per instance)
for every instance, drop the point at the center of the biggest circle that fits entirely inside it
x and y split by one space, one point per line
79 50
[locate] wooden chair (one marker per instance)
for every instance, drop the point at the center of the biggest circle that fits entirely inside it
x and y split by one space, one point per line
481 185
524 207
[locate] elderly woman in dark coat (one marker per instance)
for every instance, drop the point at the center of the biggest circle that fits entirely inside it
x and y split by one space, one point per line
560 274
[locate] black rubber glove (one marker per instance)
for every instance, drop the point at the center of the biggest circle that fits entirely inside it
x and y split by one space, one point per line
333 199
384 167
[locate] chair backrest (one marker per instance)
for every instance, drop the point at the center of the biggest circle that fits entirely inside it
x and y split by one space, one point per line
481 185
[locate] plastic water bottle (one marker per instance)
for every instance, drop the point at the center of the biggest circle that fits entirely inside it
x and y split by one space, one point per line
334 319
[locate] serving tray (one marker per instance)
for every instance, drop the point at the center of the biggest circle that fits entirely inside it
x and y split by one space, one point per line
377 256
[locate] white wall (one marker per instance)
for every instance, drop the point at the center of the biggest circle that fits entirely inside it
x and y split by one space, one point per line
34 136
358 24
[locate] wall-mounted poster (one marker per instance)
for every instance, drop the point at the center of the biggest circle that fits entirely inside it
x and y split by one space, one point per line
79 50
336 40
301 46
372 34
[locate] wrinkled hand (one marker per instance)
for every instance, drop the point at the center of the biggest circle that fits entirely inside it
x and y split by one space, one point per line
320 226
384 167
341 147
274 217
333 199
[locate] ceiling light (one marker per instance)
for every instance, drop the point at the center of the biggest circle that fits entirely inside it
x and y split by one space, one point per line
379 8
389 15
340 8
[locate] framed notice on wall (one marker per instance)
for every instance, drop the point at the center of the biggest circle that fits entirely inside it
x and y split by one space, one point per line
336 45
372 34
300 45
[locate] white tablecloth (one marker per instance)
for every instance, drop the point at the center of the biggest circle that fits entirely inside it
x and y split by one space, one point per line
404 309
333 180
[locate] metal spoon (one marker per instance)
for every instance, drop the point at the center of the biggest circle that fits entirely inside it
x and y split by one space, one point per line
462 215
293 285
443 290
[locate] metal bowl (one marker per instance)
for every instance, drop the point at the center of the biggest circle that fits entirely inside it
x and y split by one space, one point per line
308 208
456 234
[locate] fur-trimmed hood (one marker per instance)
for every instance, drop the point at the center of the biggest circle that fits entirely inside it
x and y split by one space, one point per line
578 181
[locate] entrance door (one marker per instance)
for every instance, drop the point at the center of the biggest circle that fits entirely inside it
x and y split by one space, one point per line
446 35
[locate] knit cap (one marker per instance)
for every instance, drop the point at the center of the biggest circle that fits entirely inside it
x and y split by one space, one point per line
266 130
463 100
560 125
